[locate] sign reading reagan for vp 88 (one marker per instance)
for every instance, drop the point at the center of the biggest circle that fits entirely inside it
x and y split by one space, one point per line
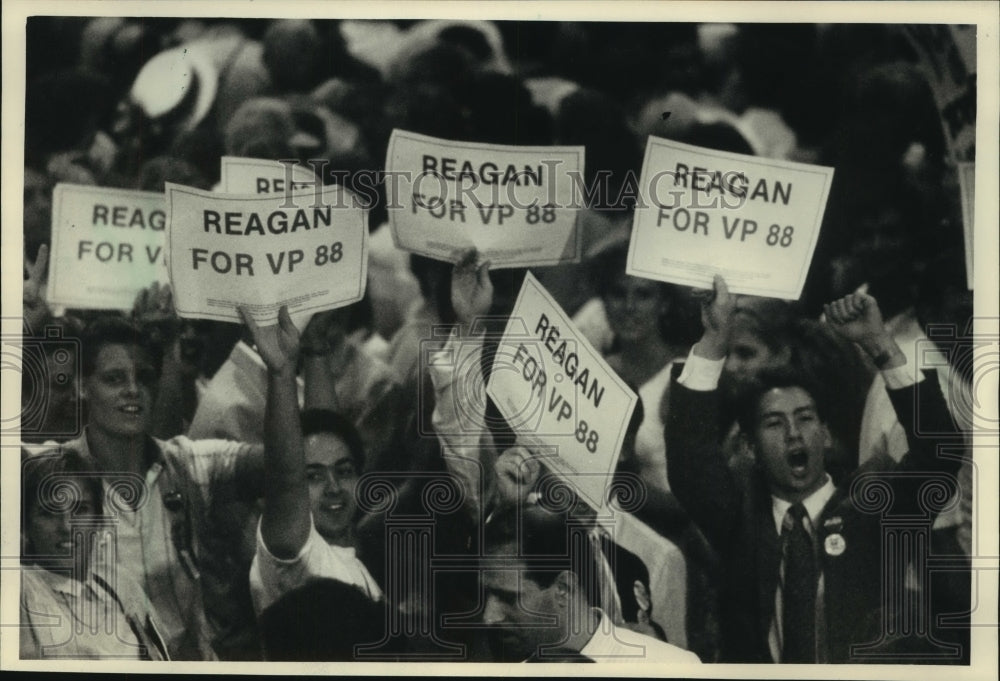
516 205
702 212
307 250
261 176
556 391
107 245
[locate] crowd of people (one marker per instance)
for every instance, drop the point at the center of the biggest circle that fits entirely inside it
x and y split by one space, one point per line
199 490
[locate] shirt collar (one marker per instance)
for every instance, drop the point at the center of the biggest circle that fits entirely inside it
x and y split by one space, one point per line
814 504
61 582
153 453
600 644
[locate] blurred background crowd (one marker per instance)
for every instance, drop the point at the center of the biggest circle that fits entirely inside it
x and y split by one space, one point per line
136 102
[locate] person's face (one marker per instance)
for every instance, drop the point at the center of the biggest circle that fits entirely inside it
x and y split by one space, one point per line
332 477
749 355
634 307
789 442
50 534
121 391
520 614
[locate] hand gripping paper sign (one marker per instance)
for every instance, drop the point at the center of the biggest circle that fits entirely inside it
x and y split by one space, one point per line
515 204
107 245
259 176
702 212
307 250
557 393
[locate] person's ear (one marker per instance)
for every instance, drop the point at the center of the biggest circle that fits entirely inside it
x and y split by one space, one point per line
564 588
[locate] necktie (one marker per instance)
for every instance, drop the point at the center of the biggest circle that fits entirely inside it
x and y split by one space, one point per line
799 590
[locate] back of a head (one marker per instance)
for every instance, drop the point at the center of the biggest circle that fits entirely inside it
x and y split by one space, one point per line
262 128
502 111
321 621
293 55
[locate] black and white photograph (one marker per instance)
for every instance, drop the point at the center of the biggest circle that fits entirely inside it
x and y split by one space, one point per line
438 338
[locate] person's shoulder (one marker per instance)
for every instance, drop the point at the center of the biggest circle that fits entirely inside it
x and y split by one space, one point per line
656 650
620 644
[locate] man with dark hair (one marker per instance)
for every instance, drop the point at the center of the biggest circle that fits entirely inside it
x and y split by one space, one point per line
161 533
803 558
542 579
307 530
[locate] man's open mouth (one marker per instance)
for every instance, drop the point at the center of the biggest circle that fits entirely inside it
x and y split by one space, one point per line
798 460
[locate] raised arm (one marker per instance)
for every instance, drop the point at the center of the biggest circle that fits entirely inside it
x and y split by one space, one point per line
325 336
916 397
177 398
34 310
699 474
465 444
285 523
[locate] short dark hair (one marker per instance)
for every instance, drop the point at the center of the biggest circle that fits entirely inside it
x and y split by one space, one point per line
315 421
548 543
109 330
38 469
321 621
768 379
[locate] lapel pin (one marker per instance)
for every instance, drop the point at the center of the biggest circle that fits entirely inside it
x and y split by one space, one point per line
834 545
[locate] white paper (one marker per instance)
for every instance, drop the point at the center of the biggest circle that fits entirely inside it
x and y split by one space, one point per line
555 390
516 205
107 246
307 250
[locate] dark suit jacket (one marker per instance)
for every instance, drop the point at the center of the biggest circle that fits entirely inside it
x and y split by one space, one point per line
733 507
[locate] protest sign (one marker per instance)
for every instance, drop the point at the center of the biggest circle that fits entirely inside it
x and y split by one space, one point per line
967 185
260 176
514 204
556 391
702 212
307 250
107 245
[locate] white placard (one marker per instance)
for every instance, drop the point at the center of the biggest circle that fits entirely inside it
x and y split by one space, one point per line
107 245
702 212
260 176
557 393
516 205
307 250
